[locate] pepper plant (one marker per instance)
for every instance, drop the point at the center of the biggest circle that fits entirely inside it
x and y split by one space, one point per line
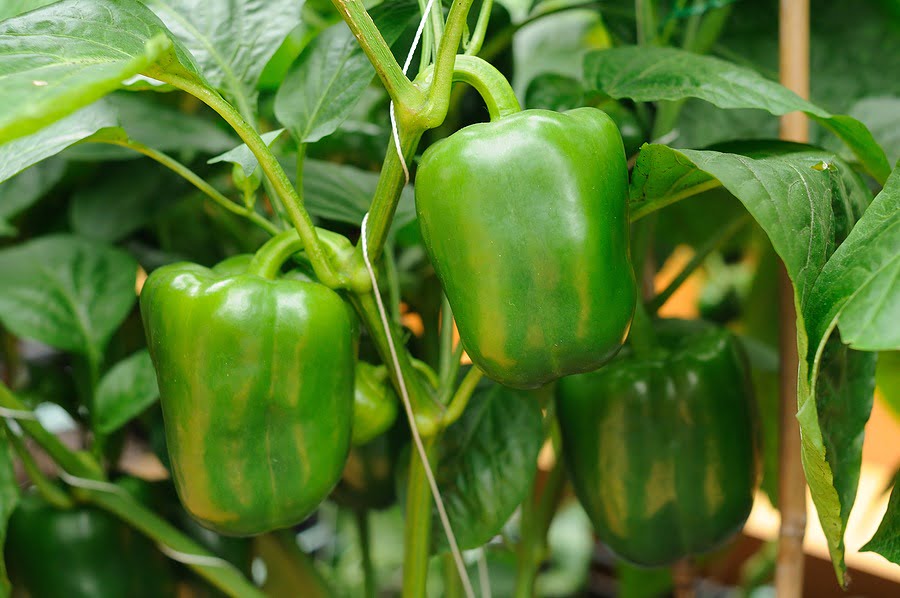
310 198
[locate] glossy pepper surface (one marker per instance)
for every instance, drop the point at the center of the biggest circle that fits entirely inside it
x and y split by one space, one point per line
82 552
661 447
256 386
524 219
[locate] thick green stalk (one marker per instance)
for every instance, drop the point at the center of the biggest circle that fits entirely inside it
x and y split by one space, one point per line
528 550
325 270
417 527
387 194
401 90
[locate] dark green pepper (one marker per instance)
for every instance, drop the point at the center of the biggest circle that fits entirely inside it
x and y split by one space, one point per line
256 387
661 447
524 219
82 552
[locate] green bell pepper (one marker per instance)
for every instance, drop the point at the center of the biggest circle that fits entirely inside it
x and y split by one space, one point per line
524 219
661 447
82 552
256 386
374 402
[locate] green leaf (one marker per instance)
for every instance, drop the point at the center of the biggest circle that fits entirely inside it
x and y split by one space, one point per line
653 74
17 155
242 156
9 498
67 292
845 389
886 540
23 190
13 8
804 205
859 287
331 74
342 193
487 463
551 91
125 392
882 116
231 41
125 199
61 57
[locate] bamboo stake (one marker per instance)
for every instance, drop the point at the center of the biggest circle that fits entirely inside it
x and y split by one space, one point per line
794 69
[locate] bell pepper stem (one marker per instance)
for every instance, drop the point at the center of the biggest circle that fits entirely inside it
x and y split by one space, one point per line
491 85
270 257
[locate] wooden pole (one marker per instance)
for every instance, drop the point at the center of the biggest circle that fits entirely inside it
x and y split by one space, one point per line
794 69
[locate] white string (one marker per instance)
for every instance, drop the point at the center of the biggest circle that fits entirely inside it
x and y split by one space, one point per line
17 414
404 394
192 559
412 50
484 579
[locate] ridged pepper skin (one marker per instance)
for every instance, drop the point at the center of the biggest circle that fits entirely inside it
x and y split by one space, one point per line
256 386
524 219
661 448
83 552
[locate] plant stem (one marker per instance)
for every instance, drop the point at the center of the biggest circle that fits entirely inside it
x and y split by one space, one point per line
461 397
417 527
80 465
484 15
198 182
324 269
401 90
387 194
446 352
51 493
452 583
711 244
365 549
642 337
439 92
223 575
424 406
